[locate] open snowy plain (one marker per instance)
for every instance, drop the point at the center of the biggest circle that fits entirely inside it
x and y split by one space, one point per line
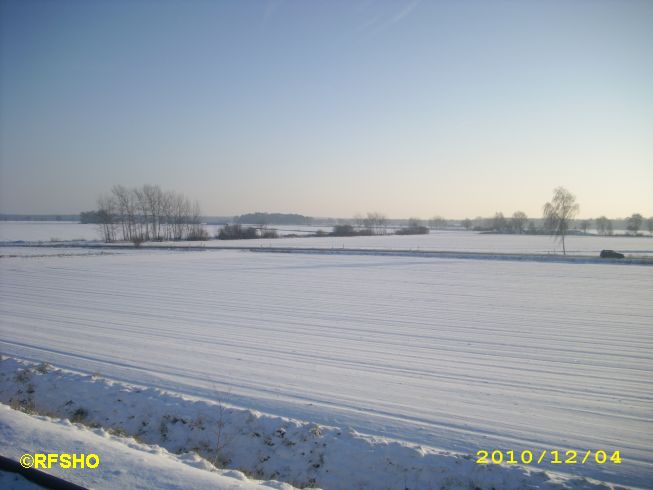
58 233
451 355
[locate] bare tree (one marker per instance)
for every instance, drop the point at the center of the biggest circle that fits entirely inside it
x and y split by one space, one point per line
359 221
127 209
437 222
499 222
634 223
649 225
414 222
143 220
180 209
585 224
377 222
152 206
196 230
106 217
559 212
603 226
467 224
518 221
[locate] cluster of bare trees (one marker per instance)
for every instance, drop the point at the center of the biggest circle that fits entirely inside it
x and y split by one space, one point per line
438 222
634 223
500 224
148 213
415 227
604 226
377 223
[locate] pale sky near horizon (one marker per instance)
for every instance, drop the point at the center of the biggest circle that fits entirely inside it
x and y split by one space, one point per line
329 108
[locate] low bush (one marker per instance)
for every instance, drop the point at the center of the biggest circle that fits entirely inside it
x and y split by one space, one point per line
413 230
237 232
269 234
343 230
197 234
348 230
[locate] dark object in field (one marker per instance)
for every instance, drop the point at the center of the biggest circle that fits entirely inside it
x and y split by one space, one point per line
611 254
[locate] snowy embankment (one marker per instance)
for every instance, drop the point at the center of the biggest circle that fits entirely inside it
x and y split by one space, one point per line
124 462
263 446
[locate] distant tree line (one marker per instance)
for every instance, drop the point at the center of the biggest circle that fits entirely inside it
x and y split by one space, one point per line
438 222
89 217
558 219
375 223
147 213
273 218
347 230
39 217
520 223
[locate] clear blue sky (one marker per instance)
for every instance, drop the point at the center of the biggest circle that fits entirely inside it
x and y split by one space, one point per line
458 108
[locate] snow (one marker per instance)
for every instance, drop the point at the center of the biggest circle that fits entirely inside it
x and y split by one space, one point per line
31 252
453 355
303 453
454 241
124 463
461 241
62 231
13 481
33 231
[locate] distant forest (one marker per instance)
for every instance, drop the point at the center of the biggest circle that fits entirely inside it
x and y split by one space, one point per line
39 217
273 219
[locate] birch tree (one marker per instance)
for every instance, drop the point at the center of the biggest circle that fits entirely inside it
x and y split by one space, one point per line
559 212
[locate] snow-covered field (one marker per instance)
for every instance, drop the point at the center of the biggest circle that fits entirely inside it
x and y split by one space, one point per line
455 241
45 231
265 446
61 231
451 354
462 241
32 252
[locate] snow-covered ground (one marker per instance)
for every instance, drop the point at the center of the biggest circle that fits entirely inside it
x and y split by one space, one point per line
61 231
462 241
33 252
456 241
34 231
124 463
305 454
450 354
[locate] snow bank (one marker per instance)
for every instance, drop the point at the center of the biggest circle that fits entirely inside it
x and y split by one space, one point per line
124 463
262 446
